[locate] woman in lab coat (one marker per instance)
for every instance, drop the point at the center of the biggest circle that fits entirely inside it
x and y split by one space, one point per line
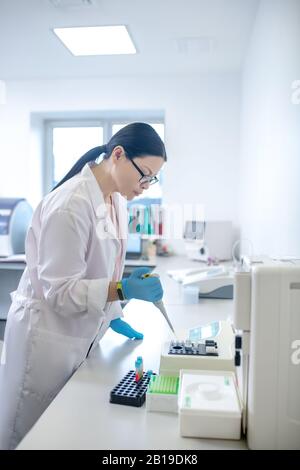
69 294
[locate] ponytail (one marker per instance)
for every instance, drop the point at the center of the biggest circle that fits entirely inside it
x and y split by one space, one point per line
89 156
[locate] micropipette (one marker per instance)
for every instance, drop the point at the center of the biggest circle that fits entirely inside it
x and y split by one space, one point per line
160 305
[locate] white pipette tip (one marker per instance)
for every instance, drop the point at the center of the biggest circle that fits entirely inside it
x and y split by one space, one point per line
160 305
162 309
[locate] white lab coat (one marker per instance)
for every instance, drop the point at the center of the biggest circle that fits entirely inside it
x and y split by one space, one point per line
59 309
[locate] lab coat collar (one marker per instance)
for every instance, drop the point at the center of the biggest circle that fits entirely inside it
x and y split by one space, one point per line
95 192
99 206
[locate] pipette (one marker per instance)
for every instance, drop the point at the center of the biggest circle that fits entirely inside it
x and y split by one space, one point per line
160 305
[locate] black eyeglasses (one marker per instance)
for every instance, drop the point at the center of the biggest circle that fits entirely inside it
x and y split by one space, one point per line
144 178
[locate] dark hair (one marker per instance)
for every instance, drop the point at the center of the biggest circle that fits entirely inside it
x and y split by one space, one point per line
138 139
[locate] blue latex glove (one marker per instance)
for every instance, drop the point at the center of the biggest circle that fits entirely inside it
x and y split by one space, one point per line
123 328
136 287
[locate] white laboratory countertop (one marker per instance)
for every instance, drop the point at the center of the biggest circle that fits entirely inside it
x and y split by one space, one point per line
81 417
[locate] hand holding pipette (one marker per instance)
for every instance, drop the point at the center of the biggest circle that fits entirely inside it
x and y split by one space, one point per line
137 287
144 285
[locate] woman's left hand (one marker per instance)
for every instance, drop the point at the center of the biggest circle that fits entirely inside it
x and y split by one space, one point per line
120 326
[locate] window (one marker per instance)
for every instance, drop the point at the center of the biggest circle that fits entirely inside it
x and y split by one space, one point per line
69 144
66 142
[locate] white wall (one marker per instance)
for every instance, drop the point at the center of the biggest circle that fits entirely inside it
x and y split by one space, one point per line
202 132
270 156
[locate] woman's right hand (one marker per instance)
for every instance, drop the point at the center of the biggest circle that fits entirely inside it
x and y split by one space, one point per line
144 288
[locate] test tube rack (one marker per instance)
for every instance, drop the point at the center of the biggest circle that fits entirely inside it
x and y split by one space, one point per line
129 392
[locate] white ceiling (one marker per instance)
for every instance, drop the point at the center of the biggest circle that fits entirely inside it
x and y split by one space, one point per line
180 37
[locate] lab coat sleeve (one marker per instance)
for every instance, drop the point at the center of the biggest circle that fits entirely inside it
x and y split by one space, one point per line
62 267
117 311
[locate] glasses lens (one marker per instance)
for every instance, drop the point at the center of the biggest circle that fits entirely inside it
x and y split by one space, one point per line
153 180
149 179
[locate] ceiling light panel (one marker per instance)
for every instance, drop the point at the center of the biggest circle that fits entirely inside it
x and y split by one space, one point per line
96 40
